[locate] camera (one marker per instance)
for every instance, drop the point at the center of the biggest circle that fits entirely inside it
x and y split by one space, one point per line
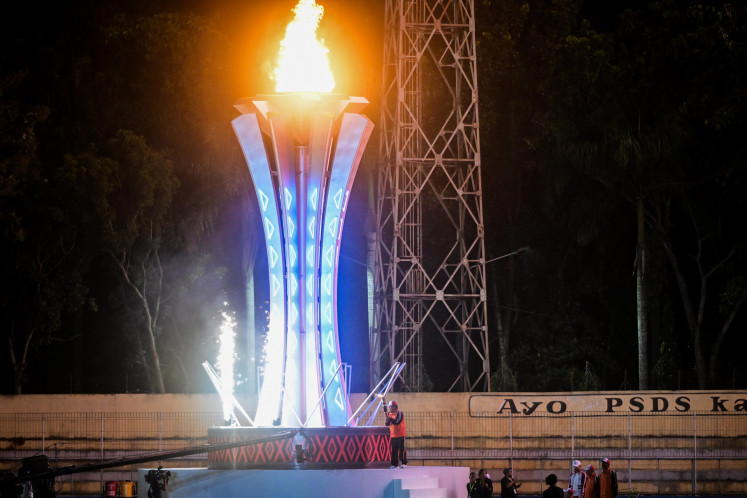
158 481
158 476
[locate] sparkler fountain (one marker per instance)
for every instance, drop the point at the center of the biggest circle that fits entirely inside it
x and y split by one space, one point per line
303 146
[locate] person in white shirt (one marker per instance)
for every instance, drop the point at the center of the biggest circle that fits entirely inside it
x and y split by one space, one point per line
577 481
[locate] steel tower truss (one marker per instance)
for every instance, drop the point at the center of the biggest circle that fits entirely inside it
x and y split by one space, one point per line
430 306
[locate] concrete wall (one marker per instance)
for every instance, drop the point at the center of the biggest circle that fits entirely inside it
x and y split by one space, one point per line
108 403
649 435
521 404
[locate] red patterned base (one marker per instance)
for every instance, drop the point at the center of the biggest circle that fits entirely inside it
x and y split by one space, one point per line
323 447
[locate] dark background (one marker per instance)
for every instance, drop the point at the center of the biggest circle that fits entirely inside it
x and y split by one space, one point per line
115 142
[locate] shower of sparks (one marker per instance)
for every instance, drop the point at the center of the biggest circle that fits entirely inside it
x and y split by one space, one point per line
226 358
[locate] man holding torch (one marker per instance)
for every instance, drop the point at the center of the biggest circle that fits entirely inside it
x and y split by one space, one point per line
395 419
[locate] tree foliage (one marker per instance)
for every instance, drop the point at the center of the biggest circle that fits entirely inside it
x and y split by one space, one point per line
597 120
43 253
114 137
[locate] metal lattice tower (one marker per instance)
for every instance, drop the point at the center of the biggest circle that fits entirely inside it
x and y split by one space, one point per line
430 306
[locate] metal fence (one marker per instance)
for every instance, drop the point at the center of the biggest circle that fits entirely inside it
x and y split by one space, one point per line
706 435
100 436
699 453
80 438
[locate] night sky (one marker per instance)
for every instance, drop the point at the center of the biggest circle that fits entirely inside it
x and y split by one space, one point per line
559 103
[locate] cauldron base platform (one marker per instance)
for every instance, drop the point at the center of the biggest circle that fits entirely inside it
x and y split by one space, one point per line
320 448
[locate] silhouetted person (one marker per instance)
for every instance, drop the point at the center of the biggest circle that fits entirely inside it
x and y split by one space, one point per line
553 491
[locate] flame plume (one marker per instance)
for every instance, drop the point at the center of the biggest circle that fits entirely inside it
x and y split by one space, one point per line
303 65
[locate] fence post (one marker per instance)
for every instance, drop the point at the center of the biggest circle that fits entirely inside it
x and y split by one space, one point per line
573 436
102 436
695 453
101 472
451 416
160 433
511 434
630 453
658 475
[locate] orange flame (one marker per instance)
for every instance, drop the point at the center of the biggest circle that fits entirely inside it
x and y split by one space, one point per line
303 65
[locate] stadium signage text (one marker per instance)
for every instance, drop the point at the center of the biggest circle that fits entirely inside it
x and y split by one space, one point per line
647 402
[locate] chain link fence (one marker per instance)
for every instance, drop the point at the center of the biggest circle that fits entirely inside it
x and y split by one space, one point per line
81 438
698 453
653 453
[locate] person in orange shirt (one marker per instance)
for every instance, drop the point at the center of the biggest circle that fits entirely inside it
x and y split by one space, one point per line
607 480
592 484
395 419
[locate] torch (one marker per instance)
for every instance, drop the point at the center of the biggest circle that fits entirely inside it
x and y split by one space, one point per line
303 146
383 400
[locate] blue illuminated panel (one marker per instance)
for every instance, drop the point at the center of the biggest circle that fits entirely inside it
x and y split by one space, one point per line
354 132
247 130
302 199
292 221
319 149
